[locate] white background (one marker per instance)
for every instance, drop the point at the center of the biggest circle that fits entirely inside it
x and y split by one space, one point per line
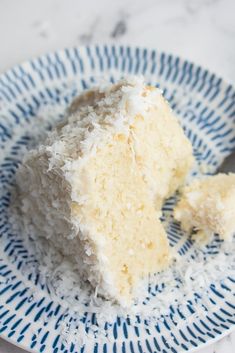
200 30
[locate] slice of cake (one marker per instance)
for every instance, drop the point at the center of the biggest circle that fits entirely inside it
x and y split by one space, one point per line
208 206
96 186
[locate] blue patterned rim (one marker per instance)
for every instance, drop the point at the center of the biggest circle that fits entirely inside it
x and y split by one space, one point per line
205 104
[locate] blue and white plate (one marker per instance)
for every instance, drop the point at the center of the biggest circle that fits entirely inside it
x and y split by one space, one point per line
29 315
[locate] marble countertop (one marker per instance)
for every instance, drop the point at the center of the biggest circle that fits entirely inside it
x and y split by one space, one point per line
202 31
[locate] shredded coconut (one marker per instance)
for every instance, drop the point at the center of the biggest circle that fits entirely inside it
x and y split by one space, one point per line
191 272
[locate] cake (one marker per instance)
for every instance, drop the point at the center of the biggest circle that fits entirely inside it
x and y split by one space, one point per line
95 187
207 205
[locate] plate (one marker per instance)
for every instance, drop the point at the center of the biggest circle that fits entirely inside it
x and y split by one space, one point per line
30 316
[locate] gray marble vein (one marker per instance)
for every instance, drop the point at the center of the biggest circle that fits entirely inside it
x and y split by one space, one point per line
120 27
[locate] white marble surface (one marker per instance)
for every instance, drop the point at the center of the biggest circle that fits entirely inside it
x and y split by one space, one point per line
200 30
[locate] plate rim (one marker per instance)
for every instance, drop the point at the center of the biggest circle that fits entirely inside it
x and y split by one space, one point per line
192 350
121 45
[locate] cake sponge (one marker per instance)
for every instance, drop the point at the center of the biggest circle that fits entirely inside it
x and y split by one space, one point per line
95 187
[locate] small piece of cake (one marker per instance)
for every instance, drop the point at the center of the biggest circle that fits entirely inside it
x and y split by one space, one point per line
96 186
208 206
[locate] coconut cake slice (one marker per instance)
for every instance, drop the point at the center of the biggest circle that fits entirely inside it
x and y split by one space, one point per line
95 187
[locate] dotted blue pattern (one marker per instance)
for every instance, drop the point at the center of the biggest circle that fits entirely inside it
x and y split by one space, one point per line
206 109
